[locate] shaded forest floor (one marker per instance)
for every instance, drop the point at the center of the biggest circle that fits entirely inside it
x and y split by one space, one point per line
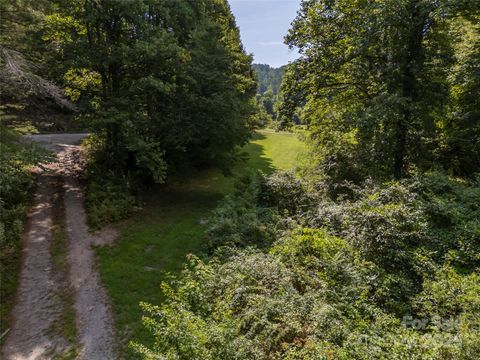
155 242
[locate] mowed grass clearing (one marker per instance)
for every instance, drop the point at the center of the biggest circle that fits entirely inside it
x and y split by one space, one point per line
155 241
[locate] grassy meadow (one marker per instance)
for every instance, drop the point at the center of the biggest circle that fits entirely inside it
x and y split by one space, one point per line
155 241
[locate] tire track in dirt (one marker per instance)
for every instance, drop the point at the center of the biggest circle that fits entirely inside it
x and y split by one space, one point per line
35 313
93 312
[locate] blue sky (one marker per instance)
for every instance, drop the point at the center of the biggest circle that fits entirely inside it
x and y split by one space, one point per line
263 24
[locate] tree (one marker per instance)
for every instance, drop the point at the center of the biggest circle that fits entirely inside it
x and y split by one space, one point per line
171 82
221 87
461 129
374 77
27 93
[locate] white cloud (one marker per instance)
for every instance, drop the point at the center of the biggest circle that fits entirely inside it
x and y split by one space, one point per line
270 43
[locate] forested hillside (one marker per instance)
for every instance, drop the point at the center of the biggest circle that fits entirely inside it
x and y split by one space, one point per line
269 78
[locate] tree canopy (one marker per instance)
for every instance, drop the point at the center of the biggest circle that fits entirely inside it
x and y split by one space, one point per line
161 82
375 82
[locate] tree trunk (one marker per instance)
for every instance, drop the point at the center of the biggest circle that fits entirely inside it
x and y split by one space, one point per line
411 65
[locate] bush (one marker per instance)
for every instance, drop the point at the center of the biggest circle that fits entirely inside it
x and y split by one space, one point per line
240 220
107 202
453 210
362 277
109 195
260 306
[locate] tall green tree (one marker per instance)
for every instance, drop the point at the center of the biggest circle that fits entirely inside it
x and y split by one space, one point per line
461 129
169 80
373 75
221 87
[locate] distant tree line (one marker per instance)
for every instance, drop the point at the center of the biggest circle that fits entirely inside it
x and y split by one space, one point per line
269 78
269 81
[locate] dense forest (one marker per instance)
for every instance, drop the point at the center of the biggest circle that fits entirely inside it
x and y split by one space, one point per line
269 78
368 249
267 99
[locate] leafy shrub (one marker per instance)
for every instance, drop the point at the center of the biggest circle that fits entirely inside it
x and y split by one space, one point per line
256 305
240 220
330 278
286 192
453 210
307 298
260 209
109 195
108 202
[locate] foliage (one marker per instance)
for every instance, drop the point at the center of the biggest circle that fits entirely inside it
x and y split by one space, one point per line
461 130
239 220
374 82
269 78
108 199
171 224
30 99
161 83
260 118
348 278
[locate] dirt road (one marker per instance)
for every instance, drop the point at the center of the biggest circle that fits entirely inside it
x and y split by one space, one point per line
36 311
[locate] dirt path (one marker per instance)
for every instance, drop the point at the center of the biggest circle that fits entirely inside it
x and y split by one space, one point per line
36 312
93 313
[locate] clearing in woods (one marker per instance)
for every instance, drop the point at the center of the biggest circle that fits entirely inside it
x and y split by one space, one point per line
62 309
156 240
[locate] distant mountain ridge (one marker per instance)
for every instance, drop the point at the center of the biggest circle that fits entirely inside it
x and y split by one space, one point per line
268 77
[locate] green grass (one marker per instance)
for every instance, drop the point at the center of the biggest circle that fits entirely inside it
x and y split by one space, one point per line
155 241
280 150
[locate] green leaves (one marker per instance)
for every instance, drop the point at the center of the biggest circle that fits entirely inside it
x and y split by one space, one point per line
167 84
375 275
377 72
